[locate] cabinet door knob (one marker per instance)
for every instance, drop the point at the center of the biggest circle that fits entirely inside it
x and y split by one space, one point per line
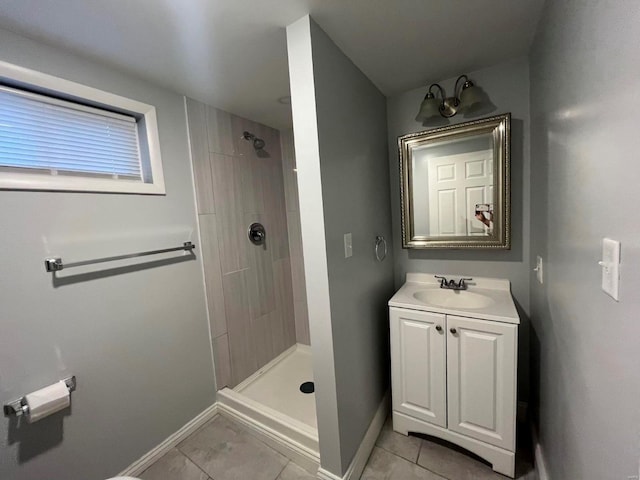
439 328
453 330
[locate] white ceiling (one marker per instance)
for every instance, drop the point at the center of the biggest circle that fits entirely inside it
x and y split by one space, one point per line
232 53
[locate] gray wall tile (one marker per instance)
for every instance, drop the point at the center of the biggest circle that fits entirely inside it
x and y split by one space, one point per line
252 170
275 209
299 288
250 288
238 126
222 359
241 337
196 116
263 331
213 274
261 284
301 314
284 302
219 132
227 184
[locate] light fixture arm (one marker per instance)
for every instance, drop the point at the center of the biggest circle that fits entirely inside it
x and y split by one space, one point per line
442 94
455 89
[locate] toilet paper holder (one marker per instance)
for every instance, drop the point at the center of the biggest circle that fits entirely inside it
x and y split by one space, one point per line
19 407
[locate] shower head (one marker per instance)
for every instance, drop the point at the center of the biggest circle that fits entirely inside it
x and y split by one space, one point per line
258 143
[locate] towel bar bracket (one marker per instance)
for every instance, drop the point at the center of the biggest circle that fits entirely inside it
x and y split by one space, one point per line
53 264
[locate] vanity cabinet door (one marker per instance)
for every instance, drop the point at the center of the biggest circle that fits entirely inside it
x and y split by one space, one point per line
481 380
418 378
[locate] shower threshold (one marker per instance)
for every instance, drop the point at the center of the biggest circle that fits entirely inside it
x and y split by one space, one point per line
260 403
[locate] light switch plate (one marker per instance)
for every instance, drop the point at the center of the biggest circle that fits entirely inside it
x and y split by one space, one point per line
611 267
539 269
348 245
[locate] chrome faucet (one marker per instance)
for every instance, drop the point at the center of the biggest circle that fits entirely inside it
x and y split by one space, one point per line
451 284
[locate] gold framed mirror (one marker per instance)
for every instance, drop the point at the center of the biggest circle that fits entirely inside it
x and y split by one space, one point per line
455 185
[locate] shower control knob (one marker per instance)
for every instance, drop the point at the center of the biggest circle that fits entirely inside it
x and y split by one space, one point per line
453 330
257 233
439 328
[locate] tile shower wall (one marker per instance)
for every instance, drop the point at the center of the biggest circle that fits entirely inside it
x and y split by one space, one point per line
295 237
249 287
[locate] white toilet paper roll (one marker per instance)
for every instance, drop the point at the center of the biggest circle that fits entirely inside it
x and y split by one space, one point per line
47 400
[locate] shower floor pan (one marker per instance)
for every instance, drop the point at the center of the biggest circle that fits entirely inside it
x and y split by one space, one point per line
272 406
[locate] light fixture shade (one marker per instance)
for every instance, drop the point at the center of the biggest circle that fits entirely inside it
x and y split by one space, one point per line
471 99
429 108
474 101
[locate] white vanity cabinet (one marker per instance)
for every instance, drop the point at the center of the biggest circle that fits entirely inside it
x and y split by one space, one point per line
481 380
419 365
454 376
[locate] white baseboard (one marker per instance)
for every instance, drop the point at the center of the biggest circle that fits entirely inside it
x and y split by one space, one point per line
327 475
144 462
356 467
538 456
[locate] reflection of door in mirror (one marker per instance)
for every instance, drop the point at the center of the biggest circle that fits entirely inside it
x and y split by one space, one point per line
457 183
454 192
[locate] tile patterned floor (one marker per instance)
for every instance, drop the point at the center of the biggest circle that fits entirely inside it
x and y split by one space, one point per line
224 450
426 458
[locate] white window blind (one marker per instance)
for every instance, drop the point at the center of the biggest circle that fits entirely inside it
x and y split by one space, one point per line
46 133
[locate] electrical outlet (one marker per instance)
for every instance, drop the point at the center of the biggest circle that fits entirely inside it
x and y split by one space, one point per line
348 245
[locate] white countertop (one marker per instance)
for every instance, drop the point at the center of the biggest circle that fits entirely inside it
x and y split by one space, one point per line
502 308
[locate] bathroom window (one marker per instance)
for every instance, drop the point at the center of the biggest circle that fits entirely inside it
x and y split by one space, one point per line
60 135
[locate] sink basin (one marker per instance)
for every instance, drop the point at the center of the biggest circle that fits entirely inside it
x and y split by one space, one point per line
441 297
485 299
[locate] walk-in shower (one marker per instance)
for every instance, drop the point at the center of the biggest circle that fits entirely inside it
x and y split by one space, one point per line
245 177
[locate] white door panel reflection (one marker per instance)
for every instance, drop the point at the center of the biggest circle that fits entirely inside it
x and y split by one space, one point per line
448 186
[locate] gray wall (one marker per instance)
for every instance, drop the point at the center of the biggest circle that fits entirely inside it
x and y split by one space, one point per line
348 139
249 290
300 310
507 85
136 338
314 246
355 190
585 112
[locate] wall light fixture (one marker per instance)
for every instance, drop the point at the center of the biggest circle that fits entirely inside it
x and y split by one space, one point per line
467 99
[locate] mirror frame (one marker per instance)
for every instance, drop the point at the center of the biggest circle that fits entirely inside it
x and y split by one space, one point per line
500 127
